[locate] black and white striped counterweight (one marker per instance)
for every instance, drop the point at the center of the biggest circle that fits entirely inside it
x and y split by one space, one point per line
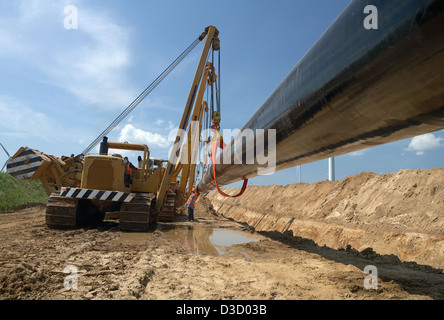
27 164
97 194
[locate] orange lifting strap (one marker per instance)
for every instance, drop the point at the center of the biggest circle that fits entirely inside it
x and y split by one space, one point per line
213 158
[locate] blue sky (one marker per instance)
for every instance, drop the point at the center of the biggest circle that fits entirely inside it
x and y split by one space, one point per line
60 88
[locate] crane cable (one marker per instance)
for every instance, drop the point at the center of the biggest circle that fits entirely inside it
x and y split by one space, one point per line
217 137
218 82
143 95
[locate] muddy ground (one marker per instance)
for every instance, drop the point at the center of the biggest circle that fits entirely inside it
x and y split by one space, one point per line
183 261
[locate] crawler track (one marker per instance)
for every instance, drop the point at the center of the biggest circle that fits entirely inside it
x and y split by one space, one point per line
61 212
139 215
168 212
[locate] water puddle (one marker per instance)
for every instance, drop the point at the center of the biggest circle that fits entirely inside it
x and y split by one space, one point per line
197 240
209 241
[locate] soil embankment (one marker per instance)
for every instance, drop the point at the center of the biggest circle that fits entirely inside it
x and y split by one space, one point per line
399 216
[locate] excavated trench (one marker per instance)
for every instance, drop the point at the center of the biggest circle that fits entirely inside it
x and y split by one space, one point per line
398 215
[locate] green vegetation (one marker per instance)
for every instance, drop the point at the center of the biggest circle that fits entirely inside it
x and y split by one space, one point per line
15 194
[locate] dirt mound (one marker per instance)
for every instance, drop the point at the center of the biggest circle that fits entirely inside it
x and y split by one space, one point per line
204 208
399 214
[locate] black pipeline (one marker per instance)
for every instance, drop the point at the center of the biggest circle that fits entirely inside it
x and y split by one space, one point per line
357 87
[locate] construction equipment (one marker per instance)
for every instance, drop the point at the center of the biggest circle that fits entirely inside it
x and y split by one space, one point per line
89 186
109 183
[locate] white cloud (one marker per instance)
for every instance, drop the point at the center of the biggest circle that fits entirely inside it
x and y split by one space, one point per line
8 45
161 123
90 62
425 142
31 10
22 121
170 126
133 135
357 153
95 69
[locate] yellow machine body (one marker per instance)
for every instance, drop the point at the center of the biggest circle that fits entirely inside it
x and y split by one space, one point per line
107 172
102 172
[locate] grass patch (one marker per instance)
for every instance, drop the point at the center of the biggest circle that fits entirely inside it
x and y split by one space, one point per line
16 194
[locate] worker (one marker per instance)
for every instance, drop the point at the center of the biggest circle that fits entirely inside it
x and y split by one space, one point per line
191 203
128 171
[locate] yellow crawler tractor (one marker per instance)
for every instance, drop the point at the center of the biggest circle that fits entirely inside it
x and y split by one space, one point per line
83 189
86 188
110 183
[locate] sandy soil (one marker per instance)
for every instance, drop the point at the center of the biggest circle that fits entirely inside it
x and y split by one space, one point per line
398 215
180 261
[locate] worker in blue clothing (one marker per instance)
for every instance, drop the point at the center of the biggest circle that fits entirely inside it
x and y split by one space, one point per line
191 204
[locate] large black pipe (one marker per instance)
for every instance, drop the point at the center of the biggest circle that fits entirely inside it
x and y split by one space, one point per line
354 89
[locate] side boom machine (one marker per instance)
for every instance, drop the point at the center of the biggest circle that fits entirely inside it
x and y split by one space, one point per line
84 188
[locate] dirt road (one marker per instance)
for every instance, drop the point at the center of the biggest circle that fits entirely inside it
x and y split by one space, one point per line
193 260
